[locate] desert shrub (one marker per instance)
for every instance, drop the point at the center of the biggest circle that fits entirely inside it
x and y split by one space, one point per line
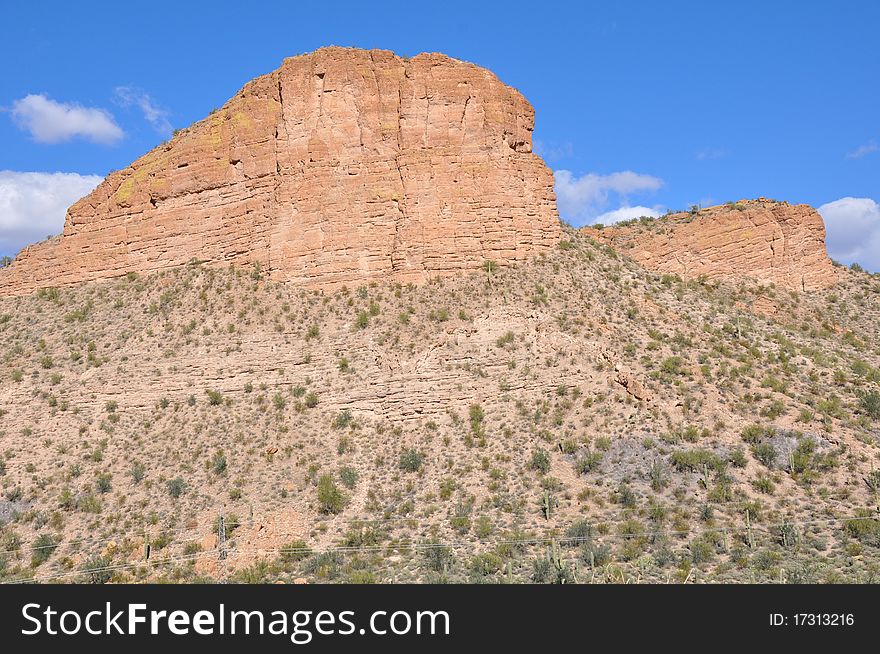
579 531
485 564
625 496
437 557
294 551
257 573
176 487
218 463
737 458
595 555
43 547
701 551
672 366
476 415
765 453
695 460
765 559
138 470
95 570
331 499
870 403
344 445
103 482
763 484
547 570
483 527
864 528
348 476
872 479
754 434
540 461
603 443
588 462
411 460
363 536
343 419
215 398
461 518
311 400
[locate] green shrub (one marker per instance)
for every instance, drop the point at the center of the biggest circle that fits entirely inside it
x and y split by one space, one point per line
294 551
754 434
870 403
540 461
595 555
695 460
218 463
176 487
138 470
343 420
588 462
625 496
43 547
485 564
96 571
103 482
864 528
411 460
765 453
215 398
437 557
348 476
331 499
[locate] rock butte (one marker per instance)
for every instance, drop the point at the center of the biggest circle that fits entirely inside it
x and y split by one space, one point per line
342 166
769 241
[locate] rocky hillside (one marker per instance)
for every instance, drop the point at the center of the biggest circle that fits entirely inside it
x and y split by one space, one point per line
768 241
572 416
335 332
340 167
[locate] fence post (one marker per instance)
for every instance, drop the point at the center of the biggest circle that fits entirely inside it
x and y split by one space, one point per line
221 537
749 528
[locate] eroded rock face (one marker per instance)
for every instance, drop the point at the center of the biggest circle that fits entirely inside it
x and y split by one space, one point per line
340 167
768 241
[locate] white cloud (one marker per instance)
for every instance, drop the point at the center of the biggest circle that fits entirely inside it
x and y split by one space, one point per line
709 154
625 213
33 205
127 96
853 231
582 200
863 150
49 121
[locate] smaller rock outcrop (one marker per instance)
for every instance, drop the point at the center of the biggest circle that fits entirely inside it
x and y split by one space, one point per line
768 241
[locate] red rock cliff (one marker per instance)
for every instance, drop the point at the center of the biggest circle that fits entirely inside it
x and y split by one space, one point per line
768 241
342 166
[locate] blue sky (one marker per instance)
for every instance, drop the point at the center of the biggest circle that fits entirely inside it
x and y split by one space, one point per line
640 106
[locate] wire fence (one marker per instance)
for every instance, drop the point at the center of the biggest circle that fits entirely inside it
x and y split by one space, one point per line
748 531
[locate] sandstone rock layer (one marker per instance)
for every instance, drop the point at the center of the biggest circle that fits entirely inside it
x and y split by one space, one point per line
768 241
340 167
